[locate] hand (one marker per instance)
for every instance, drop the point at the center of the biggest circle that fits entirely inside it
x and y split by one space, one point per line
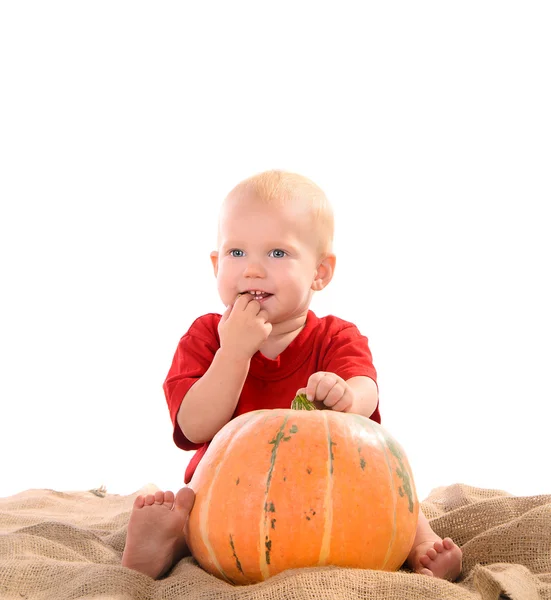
243 327
330 390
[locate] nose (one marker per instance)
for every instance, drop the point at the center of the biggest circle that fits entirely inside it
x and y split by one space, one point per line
254 269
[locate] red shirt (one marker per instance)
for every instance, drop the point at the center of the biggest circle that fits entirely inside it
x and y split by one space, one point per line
326 344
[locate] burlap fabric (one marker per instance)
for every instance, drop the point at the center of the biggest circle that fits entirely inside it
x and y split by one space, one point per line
68 545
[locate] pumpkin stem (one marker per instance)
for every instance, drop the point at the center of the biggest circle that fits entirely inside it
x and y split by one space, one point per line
301 402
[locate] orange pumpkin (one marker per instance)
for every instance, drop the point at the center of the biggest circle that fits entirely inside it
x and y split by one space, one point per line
280 489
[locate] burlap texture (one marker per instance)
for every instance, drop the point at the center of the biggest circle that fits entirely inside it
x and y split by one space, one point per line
68 545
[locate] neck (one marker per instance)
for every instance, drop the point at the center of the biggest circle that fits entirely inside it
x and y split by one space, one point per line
291 327
282 335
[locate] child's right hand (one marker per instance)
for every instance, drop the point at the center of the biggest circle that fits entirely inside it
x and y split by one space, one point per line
243 327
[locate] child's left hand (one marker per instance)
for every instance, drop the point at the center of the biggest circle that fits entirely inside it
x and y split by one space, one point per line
330 389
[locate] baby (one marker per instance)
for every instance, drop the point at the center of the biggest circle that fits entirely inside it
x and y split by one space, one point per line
274 251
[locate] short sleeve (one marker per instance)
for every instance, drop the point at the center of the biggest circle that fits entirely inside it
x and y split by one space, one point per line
193 357
348 355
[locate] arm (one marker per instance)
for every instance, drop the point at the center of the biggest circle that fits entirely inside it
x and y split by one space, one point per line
210 403
347 379
365 395
347 382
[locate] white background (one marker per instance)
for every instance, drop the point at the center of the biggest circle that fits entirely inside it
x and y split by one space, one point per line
123 125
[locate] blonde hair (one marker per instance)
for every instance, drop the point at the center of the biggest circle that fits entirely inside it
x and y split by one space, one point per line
280 188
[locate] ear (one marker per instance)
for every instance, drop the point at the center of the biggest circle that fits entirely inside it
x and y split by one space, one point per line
214 261
324 272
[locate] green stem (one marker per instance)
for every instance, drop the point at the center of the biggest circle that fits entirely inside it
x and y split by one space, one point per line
301 402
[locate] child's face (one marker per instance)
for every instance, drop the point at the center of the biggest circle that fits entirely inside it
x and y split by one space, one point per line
268 249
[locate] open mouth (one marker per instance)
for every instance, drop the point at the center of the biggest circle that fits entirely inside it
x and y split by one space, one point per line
257 294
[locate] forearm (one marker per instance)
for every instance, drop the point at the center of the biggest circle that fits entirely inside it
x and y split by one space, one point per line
366 395
210 403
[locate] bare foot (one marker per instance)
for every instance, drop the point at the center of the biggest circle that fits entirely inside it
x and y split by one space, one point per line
437 558
155 539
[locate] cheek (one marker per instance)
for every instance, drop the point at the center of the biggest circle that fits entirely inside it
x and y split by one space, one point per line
225 289
297 278
224 269
227 278
224 278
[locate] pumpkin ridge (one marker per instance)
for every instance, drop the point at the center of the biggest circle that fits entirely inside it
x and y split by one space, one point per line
237 562
381 439
401 472
204 514
204 523
269 507
328 500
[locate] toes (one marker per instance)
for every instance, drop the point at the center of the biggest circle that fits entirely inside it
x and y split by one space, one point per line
165 498
448 543
438 547
169 499
184 499
432 554
426 572
139 502
425 561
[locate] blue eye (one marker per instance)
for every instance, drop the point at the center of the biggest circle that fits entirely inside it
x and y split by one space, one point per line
236 253
277 253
